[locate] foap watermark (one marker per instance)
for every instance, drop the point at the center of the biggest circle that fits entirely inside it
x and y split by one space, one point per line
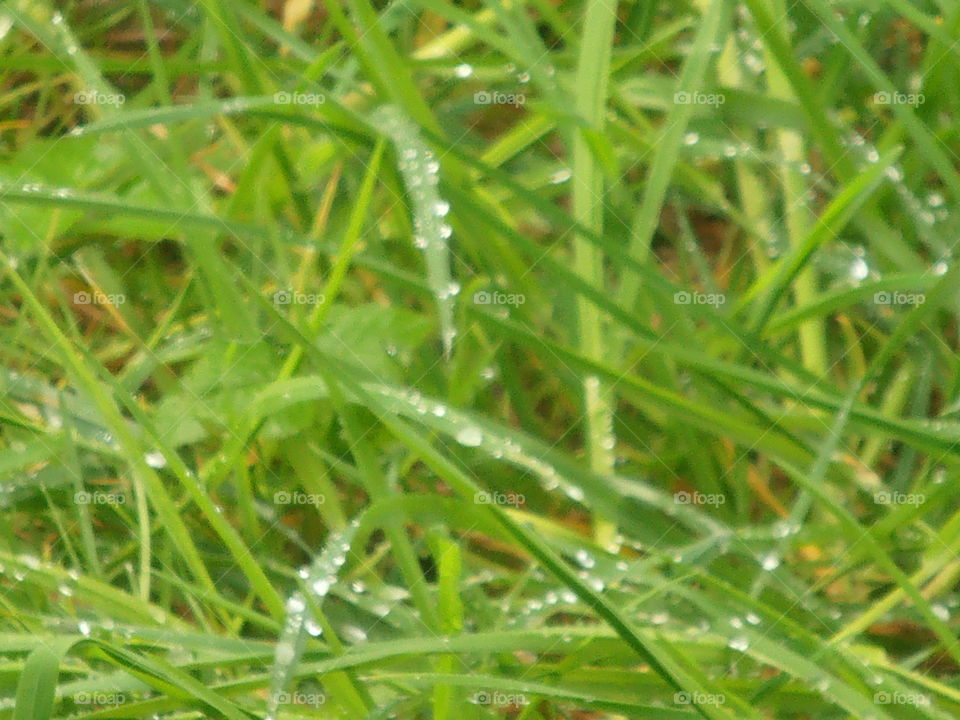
894 497
99 698
499 498
698 498
95 97
899 298
899 98
485 97
900 698
298 98
699 98
98 298
484 297
699 698
494 697
98 497
313 699
295 297
285 497
694 298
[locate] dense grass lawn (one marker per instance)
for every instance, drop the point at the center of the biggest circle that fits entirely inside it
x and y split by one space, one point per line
430 360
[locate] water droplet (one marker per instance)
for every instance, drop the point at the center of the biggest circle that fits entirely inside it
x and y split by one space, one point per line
584 559
739 643
935 200
691 138
321 587
470 436
313 628
560 176
770 562
84 627
353 634
941 612
296 605
752 618
463 70
439 410
284 654
736 623
939 268
859 269
441 208
660 618
155 459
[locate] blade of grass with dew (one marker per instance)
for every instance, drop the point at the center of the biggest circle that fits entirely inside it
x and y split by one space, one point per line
420 171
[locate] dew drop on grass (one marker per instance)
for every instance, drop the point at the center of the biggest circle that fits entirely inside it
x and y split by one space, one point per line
470 436
420 171
770 562
561 176
859 270
660 618
313 628
155 459
739 643
752 618
584 559
84 628
353 634
691 138
296 605
935 200
463 70
941 612
939 268
284 654
736 622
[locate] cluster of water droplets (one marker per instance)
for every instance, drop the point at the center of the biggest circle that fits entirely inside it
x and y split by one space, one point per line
317 579
469 434
421 173
929 211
